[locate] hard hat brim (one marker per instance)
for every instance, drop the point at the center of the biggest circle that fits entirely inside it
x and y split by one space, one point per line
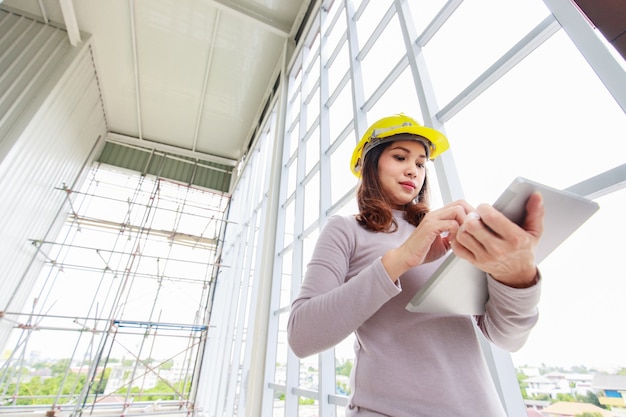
439 143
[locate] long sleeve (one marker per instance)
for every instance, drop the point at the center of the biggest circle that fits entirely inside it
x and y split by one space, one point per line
510 314
331 304
416 357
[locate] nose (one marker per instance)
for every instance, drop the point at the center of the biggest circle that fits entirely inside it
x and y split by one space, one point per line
411 171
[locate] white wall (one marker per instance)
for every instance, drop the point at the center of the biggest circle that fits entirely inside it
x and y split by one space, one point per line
51 117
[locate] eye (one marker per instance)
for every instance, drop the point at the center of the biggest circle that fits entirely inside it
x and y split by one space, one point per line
420 165
399 157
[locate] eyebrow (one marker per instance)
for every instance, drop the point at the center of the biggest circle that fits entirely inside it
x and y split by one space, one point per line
423 155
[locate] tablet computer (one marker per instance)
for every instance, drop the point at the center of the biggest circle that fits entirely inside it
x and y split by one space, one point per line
458 287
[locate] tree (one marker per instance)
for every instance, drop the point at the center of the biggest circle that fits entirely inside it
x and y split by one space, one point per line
59 367
565 397
521 381
591 398
344 368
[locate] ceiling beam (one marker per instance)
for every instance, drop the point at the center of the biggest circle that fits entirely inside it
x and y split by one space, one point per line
267 22
71 24
173 150
205 81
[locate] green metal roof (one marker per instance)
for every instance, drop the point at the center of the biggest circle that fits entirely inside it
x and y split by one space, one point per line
174 167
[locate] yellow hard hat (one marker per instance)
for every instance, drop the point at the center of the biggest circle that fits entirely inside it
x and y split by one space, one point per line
398 124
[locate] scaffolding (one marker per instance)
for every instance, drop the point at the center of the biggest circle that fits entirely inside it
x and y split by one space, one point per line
120 314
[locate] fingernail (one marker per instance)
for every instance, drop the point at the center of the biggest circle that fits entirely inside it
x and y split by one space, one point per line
473 215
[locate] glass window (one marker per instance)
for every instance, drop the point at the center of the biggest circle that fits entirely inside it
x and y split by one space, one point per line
549 119
340 112
473 38
556 109
383 57
312 200
340 170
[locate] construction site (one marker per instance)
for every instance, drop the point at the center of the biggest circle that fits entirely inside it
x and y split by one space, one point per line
167 166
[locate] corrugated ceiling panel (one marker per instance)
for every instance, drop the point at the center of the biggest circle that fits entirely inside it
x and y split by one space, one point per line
219 179
124 157
178 168
29 55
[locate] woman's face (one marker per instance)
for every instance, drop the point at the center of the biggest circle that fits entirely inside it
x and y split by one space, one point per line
401 171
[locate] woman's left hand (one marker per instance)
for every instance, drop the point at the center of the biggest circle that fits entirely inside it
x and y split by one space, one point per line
498 246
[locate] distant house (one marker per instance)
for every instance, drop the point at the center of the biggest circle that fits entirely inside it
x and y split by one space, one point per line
570 409
533 413
555 383
539 385
611 391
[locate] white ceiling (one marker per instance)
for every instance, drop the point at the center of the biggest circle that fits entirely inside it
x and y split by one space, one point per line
193 74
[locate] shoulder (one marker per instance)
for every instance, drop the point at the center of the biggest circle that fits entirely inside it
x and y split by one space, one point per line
343 223
345 220
341 227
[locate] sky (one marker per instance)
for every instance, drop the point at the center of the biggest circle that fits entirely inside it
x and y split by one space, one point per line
567 139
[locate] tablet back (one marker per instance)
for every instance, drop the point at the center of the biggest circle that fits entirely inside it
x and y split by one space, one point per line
458 287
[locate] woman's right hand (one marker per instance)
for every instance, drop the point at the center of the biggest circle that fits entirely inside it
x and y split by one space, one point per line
429 241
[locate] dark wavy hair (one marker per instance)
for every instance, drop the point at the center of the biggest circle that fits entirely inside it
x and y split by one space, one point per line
375 211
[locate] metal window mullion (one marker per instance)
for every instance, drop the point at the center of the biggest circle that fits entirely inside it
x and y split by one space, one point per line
290 159
308 133
333 21
597 54
602 184
312 61
241 321
339 139
447 175
359 117
347 198
331 58
290 199
340 86
226 369
229 362
297 90
246 323
340 400
256 292
293 363
309 176
357 13
433 27
209 375
382 88
217 340
378 30
274 240
326 367
542 32
285 250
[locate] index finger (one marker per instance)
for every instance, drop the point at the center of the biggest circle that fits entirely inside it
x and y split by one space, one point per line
465 207
495 221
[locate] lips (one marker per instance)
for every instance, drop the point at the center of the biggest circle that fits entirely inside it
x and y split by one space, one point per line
408 184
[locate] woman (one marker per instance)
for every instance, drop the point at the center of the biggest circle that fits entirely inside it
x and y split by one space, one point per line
365 269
